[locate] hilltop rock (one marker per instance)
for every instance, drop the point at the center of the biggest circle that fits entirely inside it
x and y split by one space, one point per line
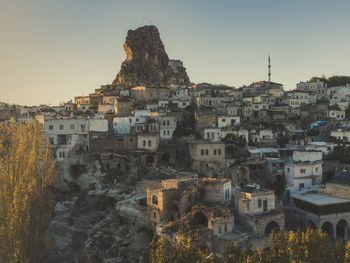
147 62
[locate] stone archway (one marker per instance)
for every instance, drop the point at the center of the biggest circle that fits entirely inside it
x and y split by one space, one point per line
327 227
272 226
342 230
154 200
200 219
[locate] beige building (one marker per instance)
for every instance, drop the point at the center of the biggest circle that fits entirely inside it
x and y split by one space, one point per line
148 141
257 210
207 151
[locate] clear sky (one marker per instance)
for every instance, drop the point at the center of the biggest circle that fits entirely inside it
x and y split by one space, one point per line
51 51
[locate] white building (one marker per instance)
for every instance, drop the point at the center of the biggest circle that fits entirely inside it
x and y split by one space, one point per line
338 115
167 126
303 170
123 125
64 134
98 125
341 134
254 200
225 121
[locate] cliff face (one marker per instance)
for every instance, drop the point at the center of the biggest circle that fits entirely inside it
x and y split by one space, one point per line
147 62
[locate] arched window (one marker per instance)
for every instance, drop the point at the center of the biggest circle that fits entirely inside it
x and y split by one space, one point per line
154 200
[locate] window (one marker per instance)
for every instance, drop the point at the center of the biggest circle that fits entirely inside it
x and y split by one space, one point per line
206 152
72 126
223 120
82 126
168 123
164 132
163 123
259 203
219 151
316 169
227 194
219 229
51 140
61 126
302 171
288 169
154 215
214 152
149 143
154 200
50 127
301 185
137 119
144 143
225 227
208 135
130 120
130 139
168 132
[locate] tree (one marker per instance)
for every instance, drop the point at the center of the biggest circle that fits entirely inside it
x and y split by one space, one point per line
26 205
164 251
278 185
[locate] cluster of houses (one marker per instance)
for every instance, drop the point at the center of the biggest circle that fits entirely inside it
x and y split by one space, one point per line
238 143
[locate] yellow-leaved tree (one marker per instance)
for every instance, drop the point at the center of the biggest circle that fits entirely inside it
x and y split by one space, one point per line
26 205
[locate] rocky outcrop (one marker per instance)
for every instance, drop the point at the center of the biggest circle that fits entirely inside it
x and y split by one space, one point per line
88 225
147 62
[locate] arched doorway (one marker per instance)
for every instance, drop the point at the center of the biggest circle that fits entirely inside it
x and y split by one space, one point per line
310 224
200 219
327 227
342 230
272 227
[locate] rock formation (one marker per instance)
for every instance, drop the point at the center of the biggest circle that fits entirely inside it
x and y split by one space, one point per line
147 62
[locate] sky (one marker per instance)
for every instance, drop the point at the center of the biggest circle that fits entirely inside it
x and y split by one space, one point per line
51 51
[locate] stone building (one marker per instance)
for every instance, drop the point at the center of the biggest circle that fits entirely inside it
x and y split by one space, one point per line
207 151
302 168
319 211
185 198
257 210
64 134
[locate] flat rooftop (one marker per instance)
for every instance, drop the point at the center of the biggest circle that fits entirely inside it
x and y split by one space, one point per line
318 199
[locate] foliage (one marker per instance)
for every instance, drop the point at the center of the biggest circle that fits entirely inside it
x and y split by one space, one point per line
26 205
334 81
278 186
311 246
341 154
164 251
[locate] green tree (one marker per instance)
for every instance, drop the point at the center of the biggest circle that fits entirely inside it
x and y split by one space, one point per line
26 205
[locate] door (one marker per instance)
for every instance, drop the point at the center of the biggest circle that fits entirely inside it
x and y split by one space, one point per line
265 205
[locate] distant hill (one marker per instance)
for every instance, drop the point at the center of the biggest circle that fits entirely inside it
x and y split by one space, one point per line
333 81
